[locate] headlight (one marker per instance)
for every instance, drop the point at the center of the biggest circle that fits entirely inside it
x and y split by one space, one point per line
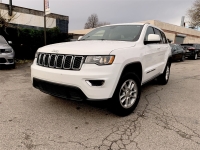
100 60
8 50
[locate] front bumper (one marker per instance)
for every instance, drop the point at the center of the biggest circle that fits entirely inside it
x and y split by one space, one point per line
7 58
77 79
191 53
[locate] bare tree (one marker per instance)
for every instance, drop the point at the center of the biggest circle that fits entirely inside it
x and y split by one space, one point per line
5 19
92 21
194 14
103 24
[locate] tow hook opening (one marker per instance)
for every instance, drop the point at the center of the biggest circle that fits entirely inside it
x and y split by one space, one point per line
95 82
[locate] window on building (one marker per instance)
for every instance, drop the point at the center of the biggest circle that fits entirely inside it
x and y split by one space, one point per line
179 39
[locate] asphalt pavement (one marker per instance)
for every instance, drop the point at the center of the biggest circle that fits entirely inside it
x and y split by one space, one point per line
167 117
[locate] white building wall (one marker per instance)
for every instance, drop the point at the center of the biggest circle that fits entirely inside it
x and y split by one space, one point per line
28 19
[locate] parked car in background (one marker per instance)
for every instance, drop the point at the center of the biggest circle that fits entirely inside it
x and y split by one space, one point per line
192 50
178 53
7 53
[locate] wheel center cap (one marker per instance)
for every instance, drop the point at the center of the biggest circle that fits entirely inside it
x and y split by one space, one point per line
128 93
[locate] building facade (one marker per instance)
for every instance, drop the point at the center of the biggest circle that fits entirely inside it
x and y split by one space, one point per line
29 18
176 34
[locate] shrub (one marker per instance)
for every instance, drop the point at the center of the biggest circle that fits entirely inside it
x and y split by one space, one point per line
27 41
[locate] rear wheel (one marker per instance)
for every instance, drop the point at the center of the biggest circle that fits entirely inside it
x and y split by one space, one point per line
127 95
164 78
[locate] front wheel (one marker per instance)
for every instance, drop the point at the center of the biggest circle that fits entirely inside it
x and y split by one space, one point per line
182 58
127 95
164 78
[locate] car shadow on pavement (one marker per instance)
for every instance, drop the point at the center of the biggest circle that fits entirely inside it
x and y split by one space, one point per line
86 108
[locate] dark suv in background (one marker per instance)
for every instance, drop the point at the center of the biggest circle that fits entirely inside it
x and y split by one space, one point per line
192 50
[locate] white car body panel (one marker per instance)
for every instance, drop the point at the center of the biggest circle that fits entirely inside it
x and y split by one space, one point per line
86 47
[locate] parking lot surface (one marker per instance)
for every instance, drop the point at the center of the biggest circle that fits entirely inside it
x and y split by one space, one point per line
167 117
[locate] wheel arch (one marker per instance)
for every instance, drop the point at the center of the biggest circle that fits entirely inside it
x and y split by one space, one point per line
135 67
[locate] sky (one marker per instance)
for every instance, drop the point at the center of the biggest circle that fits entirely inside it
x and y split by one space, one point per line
113 11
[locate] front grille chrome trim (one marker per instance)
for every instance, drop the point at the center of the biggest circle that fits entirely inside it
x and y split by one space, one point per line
72 57
46 55
61 61
82 59
57 60
41 59
50 61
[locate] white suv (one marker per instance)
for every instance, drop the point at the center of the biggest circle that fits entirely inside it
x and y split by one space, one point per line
110 62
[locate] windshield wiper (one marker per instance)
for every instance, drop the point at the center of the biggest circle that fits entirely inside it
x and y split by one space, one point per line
85 38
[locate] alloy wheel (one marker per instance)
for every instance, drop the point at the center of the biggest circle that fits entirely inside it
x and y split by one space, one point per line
128 93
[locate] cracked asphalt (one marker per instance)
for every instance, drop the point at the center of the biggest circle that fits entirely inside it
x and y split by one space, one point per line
167 117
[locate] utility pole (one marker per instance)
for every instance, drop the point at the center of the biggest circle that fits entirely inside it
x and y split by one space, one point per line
10 8
45 38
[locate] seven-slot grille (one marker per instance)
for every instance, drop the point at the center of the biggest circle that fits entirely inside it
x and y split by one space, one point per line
59 61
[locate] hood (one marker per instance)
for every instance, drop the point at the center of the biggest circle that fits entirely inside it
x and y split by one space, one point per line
86 47
5 46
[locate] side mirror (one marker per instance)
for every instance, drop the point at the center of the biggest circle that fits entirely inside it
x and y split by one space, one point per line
152 38
9 42
79 37
169 41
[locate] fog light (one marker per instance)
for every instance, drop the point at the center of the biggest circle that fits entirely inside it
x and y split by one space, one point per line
95 82
10 60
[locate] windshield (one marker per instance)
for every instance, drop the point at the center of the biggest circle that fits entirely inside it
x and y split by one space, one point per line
2 40
115 33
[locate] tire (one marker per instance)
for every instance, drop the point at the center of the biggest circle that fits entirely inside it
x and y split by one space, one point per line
195 56
164 78
129 86
182 58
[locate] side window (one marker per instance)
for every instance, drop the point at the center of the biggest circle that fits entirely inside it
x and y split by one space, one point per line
149 31
158 33
164 38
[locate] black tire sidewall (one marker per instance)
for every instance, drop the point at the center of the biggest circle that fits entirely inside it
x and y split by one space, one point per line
182 58
115 102
162 78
